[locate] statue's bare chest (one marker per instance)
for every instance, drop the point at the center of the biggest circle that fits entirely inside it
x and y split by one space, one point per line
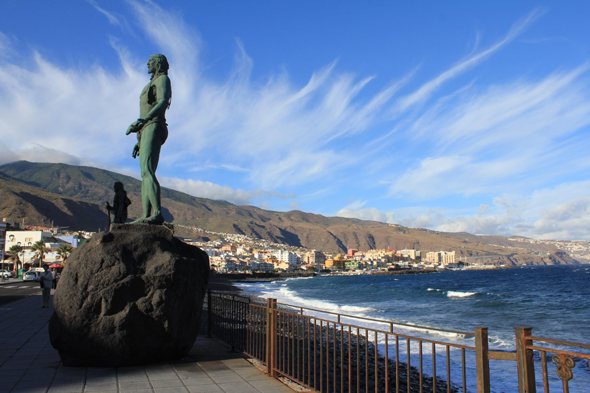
148 95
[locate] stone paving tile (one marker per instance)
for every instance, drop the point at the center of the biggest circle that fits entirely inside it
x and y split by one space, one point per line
166 383
270 386
199 373
171 389
138 391
29 364
213 365
204 388
29 390
132 377
103 379
238 387
106 390
225 378
198 381
252 375
100 387
66 389
163 376
135 385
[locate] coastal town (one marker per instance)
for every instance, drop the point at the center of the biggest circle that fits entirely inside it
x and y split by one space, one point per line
236 253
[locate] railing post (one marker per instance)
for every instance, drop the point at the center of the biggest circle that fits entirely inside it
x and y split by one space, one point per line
209 314
271 336
482 361
525 361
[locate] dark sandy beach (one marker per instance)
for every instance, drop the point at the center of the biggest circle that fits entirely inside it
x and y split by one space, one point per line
220 284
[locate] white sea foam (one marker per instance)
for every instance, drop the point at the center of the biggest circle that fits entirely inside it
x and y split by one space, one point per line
285 295
460 294
299 278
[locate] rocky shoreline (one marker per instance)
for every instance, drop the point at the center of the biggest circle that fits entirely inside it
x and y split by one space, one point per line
327 358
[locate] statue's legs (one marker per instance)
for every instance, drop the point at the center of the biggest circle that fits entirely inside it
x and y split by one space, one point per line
152 138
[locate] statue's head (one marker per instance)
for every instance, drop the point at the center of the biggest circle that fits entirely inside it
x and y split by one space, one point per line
159 64
119 186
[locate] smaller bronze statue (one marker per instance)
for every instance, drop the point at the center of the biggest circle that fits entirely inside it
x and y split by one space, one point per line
120 204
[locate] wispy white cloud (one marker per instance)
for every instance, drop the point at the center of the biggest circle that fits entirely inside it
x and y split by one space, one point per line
37 153
426 90
6 46
114 20
559 212
205 189
519 135
283 133
356 210
566 221
83 113
477 139
552 220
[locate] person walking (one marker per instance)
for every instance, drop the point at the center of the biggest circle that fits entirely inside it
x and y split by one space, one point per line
46 284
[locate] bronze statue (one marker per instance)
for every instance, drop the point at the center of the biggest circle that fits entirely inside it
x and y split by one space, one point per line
152 132
120 204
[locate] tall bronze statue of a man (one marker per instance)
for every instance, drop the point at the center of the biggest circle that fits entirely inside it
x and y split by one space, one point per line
152 131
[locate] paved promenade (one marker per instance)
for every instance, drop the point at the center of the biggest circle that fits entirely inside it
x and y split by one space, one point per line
28 363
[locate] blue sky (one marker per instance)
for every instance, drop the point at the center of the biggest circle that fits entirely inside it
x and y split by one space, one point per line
455 116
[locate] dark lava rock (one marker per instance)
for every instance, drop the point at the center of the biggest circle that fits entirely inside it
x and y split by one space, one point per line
130 296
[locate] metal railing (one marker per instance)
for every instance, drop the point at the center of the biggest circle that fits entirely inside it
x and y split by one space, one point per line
332 352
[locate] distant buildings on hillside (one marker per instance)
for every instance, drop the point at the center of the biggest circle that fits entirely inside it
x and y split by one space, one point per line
240 253
53 238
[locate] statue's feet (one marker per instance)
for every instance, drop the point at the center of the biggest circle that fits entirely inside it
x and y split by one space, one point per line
155 219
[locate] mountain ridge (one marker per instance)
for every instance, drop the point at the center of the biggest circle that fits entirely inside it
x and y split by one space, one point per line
86 189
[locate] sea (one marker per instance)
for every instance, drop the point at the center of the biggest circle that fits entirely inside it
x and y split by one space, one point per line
553 300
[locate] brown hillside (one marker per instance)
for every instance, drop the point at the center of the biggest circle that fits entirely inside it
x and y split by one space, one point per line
19 201
75 197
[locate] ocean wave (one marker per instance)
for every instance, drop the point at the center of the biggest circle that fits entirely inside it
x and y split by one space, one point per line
434 289
460 294
299 278
289 296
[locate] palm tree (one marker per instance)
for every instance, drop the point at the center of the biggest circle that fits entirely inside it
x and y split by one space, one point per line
15 250
64 251
40 250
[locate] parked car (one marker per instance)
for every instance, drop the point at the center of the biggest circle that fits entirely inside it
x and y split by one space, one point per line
6 273
31 276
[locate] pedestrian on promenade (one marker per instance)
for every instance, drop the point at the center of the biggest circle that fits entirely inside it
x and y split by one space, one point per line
46 283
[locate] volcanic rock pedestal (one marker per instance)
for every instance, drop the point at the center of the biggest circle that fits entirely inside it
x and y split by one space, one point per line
130 296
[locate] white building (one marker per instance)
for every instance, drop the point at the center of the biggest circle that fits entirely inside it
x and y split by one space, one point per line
211 252
432 257
286 256
26 239
443 257
411 254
